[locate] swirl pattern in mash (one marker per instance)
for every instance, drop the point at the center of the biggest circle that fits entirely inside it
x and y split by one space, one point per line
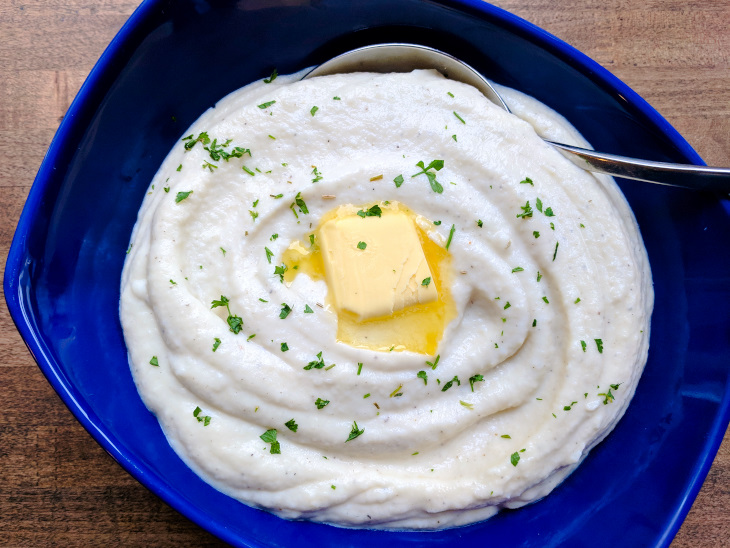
549 277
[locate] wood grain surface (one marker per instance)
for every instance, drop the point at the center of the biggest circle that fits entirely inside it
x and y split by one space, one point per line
57 486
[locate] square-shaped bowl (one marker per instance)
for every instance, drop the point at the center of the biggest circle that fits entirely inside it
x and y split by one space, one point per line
174 59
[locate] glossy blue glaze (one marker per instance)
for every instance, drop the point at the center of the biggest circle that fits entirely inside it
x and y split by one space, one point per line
175 59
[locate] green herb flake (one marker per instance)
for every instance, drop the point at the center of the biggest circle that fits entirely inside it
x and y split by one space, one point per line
154 361
374 211
204 419
270 437
526 211
527 181
576 301
424 376
376 178
284 347
517 269
271 78
279 271
546 300
317 174
435 362
335 98
506 306
320 403
459 117
449 94
269 254
266 105
285 310
467 404
361 245
354 432
437 223
514 458
216 343
315 364
291 425
451 236
314 110
534 323
247 170
599 345
536 234
436 165
359 367
454 138
539 276
426 282
538 204
506 436
555 253
398 180
475 378
451 383
182 195
549 212
583 345
480 224
395 393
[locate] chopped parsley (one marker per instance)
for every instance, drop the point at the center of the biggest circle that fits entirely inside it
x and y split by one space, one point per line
270 437
285 310
514 458
451 236
279 271
436 165
555 253
506 436
182 195
437 223
422 375
459 117
549 212
570 406
204 419
179 168
475 378
266 105
526 210
216 343
426 282
284 347
314 110
361 245
273 237
538 204
355 432
535 233
235 323
359 367
376 178
506 306
299 202
517 269
317 174
480 224
291 425
271 78
534 323
451 383
315 364
269 254
374 211
583 345
247 170
466 404
201 138
308 310
154 361
527 181
599 345
396 393
335 98
320 403
539 276
398 180
435 362
546 300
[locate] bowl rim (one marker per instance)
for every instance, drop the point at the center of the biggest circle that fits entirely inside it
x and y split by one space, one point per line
90 95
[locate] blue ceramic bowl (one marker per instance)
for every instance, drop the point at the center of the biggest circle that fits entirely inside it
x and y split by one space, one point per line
174 59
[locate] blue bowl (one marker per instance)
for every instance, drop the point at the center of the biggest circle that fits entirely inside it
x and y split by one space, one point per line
174 59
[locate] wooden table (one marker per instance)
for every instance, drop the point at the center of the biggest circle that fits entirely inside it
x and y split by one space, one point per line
57 486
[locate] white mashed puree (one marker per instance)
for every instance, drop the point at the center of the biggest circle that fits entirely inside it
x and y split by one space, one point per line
552 308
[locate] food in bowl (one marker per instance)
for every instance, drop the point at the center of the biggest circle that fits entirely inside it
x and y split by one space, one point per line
378 300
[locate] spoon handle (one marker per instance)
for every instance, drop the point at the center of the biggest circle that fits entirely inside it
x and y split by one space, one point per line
663 173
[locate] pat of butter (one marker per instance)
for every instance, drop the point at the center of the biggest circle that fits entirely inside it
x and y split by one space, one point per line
384 277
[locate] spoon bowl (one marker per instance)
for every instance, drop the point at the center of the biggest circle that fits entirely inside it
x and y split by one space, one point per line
398 57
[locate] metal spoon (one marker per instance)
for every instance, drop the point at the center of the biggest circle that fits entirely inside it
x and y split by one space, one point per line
396 57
